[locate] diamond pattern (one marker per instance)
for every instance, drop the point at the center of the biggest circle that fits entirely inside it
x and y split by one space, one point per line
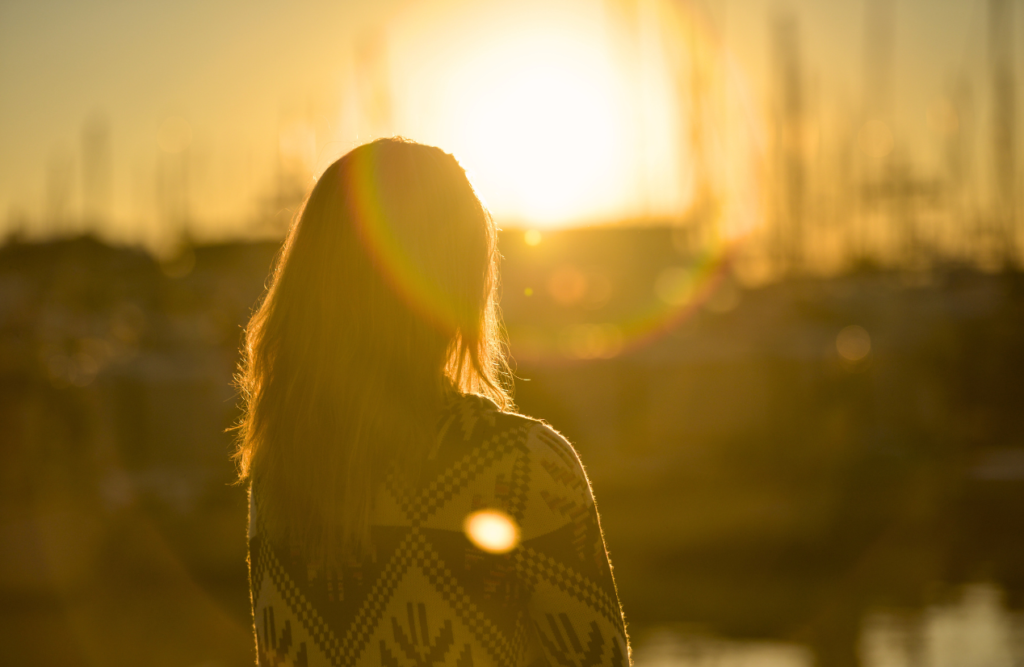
484 609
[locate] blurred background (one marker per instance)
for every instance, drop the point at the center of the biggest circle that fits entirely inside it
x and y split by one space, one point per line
762 266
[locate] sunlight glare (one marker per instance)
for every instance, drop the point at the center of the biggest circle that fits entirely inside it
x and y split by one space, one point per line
674 285
566 114
545 124
492 531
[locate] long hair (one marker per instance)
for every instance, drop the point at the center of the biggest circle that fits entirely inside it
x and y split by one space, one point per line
381 306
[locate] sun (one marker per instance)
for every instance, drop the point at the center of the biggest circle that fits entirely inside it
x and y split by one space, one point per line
545 128
570 112
534 110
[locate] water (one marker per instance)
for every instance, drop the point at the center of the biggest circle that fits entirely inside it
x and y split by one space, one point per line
668 648
975 629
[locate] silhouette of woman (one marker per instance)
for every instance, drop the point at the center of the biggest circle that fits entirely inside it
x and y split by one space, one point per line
400 513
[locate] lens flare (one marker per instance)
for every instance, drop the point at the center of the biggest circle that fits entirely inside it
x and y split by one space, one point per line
853 343
492 531
610 114
579 113
675 294
567 285
681 293
674 285
393 255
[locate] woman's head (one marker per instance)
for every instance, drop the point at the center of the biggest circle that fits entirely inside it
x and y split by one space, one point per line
383 300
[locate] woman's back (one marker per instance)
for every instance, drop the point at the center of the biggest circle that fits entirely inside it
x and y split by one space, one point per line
368 444
426 594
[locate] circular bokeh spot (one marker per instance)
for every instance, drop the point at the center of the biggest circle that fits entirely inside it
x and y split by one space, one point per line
492 531
853 343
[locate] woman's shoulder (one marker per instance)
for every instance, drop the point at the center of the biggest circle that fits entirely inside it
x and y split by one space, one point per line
476 418
476 422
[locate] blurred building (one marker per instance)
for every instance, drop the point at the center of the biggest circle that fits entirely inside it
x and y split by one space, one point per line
775 462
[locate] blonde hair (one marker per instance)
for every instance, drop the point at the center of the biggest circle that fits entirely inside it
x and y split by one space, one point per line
381 306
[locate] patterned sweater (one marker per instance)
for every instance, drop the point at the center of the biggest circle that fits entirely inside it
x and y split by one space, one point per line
428 596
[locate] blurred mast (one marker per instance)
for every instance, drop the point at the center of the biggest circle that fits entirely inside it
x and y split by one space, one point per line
702 216
875 122
97 173
1004 157
60 170
878 48
172 197
373 72
698 226
788 238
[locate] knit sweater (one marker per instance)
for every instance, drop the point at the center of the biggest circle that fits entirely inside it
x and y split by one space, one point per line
428 596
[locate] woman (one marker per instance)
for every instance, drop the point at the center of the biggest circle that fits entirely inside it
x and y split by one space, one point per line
400 512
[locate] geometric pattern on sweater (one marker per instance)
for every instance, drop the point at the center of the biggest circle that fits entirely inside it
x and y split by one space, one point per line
426 595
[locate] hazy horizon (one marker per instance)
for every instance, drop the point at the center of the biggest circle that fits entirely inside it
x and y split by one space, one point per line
141 122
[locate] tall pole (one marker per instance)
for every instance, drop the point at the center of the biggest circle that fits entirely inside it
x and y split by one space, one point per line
60 170
789 225
1004 154
97 173
875 138
878 47
704 222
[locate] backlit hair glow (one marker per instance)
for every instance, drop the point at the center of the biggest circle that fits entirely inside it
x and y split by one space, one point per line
382 305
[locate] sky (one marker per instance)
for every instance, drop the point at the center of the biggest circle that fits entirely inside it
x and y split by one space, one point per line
563 111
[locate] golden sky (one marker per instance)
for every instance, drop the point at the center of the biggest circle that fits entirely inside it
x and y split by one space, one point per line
563 111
